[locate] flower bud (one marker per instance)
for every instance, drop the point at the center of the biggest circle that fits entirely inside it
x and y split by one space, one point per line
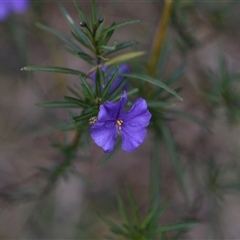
100 20
83 24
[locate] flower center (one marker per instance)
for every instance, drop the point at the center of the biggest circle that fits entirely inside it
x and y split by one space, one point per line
119 124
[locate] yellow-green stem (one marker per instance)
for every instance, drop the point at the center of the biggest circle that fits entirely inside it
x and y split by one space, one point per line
159 38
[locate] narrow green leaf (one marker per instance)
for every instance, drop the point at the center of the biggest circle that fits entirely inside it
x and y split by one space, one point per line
101 25
167 136
81 12
57 105
133 91
168 96
154 82
82 41
124 57
93 13
76 101
117 25
111 224
176 226
118 91
149 218
190 117
103 58
119 232
86 57
108 48
155 172
127 227
129 93
88 90
123 211
53 69
81 55
109 84
85 116
74 92
108 36
121 46
99 82
154 215
134 208
60 36
75 28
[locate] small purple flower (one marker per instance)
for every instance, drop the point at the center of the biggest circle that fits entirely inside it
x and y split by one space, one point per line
113 120
9 6
124 68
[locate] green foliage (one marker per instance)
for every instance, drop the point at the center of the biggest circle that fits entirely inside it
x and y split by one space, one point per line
109 84
153 82
66 40
91 44
167 136
134 227
222 92
124 57
87 97
53 69
157 93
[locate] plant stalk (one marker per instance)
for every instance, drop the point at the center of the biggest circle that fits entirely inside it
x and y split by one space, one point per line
159 38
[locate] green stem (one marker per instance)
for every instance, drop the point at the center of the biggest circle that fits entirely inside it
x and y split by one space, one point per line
155 168
159 38
69 152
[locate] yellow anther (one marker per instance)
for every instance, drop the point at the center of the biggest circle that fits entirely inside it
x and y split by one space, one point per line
119 123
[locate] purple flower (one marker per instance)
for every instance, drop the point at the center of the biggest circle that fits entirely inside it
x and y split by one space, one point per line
9 6
113 120
124 68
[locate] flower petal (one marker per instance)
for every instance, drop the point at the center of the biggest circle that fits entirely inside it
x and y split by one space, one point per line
112 110
104 135
124 68
138 115
132 137
103 114
20 6
4 10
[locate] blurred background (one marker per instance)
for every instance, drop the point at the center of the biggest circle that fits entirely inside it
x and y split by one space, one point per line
204 36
